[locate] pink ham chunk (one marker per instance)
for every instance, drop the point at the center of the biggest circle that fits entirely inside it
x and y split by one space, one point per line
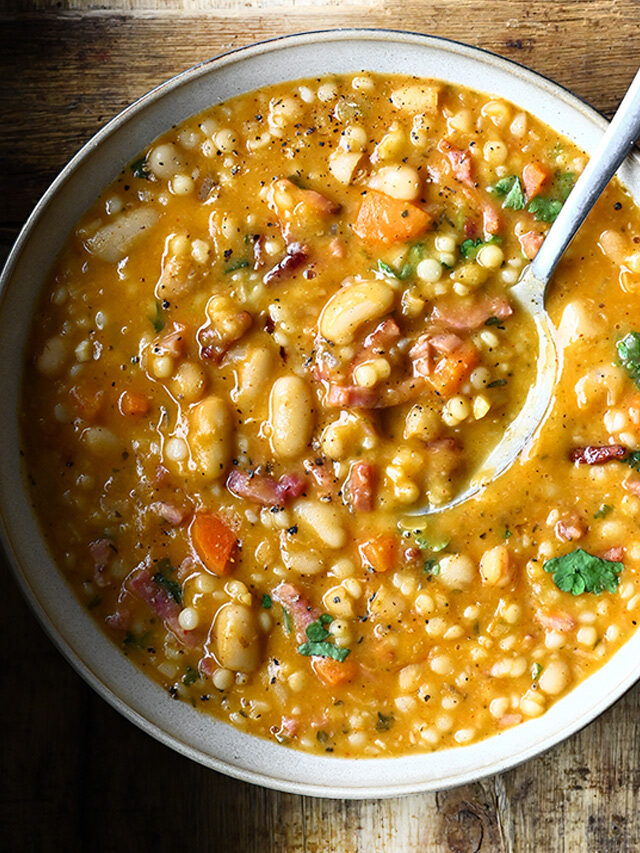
264 489
466 317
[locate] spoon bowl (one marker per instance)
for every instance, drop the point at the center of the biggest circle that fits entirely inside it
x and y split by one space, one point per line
529 294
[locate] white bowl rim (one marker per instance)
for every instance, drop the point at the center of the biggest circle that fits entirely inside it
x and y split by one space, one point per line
368 788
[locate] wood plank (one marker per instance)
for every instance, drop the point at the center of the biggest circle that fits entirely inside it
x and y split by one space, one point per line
76 775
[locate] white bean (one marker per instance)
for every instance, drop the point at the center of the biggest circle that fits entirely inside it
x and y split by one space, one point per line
456 571
290 415
236 638
352 306
112 242
324 520
401 182
209 437
165 160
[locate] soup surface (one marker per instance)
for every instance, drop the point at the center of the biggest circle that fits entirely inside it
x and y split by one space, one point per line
283 330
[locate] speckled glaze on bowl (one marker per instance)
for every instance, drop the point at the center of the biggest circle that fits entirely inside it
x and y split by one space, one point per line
197 735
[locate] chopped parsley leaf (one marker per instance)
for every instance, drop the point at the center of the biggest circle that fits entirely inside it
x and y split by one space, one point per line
434 544
511 189
174 589
563 184
266 601
470 248
536 669
497 383
579 572
431 567
158 320
384 722
236 265
288 623
318 641
139 169
190 676
605 509
633 459
629 353
545 209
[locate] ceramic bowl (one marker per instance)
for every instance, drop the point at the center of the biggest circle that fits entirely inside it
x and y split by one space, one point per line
197 735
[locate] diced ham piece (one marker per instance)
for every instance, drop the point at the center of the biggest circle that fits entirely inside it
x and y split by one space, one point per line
402 392
510 720
172 342
491 221
258 251
556 620
383 336
470 229
120 619
465 317
141 583
289 726
460 161
102 551
362 486
161 476
531 242
322 473
597 455
302 612
632 484
171 512
615 554
351 396
264 489
571 528
297 255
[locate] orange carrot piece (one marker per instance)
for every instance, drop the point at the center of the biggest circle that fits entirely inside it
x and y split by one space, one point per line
382 219
531 242
133 404
333 672
454 369
214 542
379 553
534 177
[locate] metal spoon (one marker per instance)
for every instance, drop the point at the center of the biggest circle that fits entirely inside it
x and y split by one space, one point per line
529 292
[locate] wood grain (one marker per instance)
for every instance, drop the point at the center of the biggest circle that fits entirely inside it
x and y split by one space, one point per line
77 776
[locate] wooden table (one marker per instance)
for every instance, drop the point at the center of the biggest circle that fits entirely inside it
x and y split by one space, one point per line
76 775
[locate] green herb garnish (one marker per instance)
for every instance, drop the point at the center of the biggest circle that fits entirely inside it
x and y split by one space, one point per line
497 383
318 641
174 589
164 565
130 639
266 601
434 544
158 320
563 183
470 248
629 353
384 722
536 669
508 533
545 209
431 567
579 572
288 623
139 169
511 189
633 460
493 321
236 265
385 268
190 676
605 509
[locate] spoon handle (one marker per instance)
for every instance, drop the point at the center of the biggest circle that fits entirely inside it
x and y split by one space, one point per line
614 146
